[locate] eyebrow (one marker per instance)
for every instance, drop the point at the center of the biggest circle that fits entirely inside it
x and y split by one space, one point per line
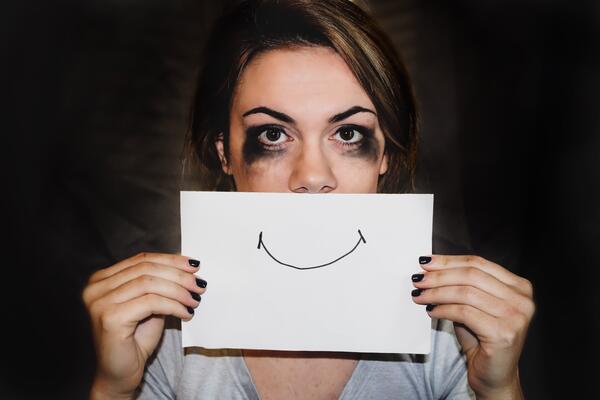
286 118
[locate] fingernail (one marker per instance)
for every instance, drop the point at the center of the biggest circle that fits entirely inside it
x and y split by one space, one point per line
201 282
190 310
424 260
416 292
430 307
195 296
417 277
194 263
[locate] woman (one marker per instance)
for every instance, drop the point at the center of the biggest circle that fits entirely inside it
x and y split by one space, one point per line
305 96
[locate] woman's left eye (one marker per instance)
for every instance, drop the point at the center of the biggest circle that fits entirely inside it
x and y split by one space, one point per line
348 135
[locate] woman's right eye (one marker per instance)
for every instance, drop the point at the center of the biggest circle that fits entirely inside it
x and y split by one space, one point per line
273 136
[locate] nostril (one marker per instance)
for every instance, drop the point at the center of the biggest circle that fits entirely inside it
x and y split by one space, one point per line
312 174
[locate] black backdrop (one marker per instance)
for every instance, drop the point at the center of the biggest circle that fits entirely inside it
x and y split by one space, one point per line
95 98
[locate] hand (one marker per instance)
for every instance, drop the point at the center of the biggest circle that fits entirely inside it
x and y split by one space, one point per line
127 303
491 309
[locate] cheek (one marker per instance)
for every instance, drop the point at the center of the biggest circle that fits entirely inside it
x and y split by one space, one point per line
368 151
356 176
262 175
253 152
357 171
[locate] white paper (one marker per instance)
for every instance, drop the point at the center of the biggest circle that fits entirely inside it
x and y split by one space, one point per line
325 286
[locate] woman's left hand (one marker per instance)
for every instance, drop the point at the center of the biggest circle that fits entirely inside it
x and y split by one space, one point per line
491 308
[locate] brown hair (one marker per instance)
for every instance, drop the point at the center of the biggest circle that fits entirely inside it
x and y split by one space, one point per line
254 26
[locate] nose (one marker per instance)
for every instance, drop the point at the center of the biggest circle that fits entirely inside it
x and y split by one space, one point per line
312 172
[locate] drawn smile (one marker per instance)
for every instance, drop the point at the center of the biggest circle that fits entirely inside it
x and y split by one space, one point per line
261 243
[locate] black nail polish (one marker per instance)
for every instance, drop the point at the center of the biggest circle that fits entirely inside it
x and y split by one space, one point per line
417 277
194 263
201 282
424 260
190 310
416 292
195 296
430 307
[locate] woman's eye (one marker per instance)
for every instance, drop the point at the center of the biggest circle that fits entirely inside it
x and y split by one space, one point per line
348 135
272 136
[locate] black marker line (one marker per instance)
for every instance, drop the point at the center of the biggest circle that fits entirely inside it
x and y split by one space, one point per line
261 243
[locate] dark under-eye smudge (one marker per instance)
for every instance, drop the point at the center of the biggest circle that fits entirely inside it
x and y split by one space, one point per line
253 149
367 148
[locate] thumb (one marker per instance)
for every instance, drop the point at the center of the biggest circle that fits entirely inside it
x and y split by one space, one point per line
466 338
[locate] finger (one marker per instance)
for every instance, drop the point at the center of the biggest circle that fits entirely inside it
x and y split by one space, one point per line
148 284
185 279
502 274
466 295
174 260
130 313
467 276
482 324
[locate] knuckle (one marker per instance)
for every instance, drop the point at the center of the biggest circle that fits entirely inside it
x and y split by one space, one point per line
150 299
463 312
471 274
521 320
431 277
507 337
143 256
94 308
446 276
510 312
86 296
174 259
429 295
527 309
526 286
468 293
183 295
530 308
188 280
146 281
93 277
474 260
145 267
97 276
108 319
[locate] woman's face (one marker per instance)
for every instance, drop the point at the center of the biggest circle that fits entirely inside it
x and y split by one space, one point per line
301 122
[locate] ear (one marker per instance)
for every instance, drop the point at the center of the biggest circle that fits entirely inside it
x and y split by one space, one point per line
383 167
220 146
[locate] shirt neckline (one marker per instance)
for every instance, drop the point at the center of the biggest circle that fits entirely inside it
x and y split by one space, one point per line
356 378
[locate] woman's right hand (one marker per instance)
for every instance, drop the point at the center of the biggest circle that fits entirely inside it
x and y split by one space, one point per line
127 303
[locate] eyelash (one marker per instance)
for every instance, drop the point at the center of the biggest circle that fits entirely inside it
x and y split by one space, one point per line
256 131
363 131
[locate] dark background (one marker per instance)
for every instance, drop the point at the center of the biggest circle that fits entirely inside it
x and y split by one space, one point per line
95 100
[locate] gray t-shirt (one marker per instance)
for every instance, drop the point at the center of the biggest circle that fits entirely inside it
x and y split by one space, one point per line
196 373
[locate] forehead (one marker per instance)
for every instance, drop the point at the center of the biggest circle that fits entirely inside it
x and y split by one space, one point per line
311 79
